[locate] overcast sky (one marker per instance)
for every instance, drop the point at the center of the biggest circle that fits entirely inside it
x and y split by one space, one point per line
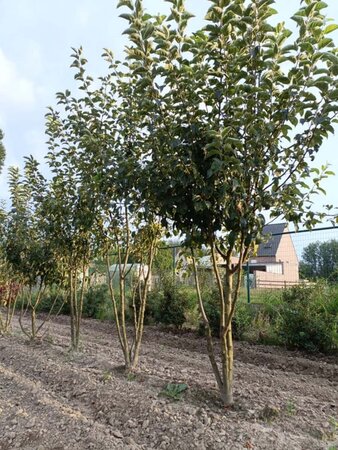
36 37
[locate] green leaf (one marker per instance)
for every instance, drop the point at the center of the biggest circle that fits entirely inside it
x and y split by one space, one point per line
324 42
330 28
321 5
126 3
334 94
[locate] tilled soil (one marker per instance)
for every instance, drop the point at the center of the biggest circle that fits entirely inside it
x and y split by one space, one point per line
53 399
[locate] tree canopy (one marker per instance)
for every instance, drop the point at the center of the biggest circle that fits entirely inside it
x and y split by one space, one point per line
320 261
235 114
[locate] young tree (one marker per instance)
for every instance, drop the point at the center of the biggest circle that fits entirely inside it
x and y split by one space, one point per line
2 151
9 285
236 113
28 251
71 213
98 135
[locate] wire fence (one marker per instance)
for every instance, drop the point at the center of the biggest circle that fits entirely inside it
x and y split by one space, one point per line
284 259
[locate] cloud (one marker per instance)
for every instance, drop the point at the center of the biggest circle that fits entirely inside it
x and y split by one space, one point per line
15 90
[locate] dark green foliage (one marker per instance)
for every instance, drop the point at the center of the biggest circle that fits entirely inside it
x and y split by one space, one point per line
320 261
302 317
163 261
174 303
97 303
241 322
53 300
309 318
211 307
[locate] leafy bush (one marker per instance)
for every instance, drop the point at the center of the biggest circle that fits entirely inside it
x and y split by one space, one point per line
52 298
211 307
309 318
171 308
173 305
97 302
241 322
57 298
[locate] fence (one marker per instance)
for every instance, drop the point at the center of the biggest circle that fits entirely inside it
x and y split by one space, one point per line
284 259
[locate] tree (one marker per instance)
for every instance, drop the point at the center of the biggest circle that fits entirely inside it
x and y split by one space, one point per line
9 283
236 113
320 261
97 139
71 212
2 151
28 251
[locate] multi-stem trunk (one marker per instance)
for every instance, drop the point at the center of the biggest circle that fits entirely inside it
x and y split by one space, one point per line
76 297
226 341
139 316
228 295
130 345
10 305
32 306
72 307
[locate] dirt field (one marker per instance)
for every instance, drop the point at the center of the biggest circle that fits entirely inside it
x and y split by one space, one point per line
52 399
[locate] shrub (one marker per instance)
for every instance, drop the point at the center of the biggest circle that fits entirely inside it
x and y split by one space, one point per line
97 302
57 298
171 308
309 318
52 298
211 307
241 322
173 305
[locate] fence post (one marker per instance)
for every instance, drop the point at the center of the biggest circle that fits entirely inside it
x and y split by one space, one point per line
174 264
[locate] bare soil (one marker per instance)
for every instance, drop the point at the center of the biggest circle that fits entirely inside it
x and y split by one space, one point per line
53 399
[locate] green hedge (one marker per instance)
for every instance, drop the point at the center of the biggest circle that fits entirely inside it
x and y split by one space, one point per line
308 318
302 317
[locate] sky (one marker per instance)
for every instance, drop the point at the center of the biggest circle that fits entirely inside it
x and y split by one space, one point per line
36 38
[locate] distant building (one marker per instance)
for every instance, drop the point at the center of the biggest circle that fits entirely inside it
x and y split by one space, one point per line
276 263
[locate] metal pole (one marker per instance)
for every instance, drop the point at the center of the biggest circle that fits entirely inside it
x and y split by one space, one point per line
174 263
248 281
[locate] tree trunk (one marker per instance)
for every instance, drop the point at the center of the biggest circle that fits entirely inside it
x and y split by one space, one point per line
227 349
72 311
227 368
227 298
143 303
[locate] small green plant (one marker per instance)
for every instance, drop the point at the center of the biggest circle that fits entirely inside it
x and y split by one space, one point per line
106 376
174 391
334 426
334 423
291 408
131 376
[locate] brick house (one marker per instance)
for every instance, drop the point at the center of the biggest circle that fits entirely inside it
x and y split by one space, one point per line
276 263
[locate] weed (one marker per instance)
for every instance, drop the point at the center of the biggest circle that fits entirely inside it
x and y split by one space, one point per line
106 376
334 423
131 376
291 408
49 339
174 391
